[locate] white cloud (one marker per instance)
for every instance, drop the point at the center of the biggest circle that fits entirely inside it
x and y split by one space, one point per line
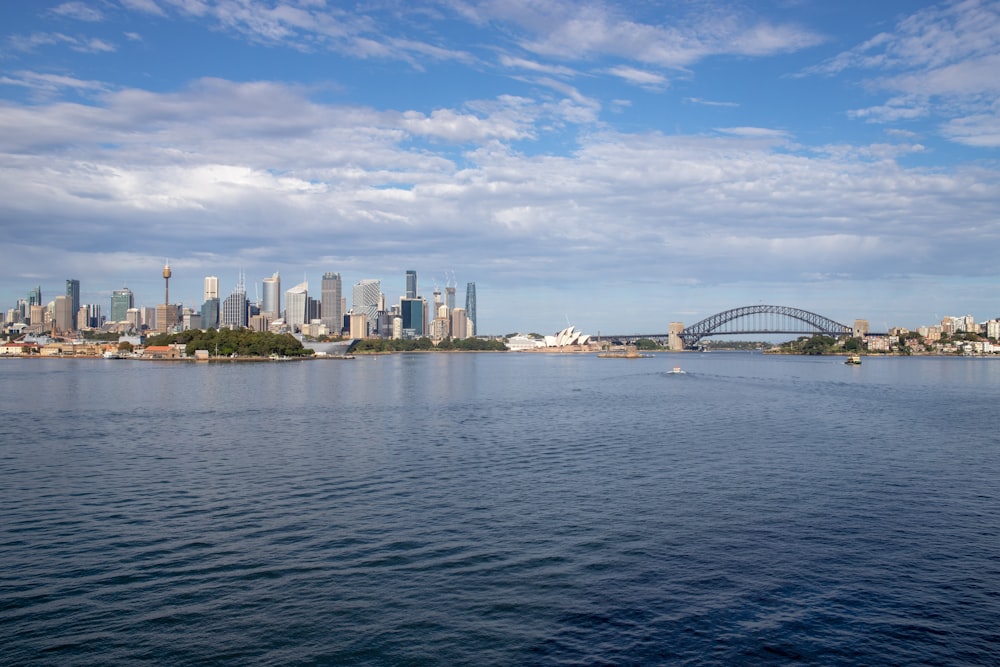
78 11
939 61
643 78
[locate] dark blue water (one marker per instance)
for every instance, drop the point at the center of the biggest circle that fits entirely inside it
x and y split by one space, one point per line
489 509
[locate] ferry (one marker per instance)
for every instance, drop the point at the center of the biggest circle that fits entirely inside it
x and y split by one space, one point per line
677 370
853 360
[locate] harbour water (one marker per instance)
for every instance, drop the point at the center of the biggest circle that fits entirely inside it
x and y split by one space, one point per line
501 509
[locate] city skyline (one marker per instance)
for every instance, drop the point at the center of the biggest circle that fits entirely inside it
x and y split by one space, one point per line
610 166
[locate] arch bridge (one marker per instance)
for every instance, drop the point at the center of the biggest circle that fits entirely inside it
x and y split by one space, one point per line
762 320
758 319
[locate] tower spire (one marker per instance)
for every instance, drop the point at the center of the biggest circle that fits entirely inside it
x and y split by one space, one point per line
166 280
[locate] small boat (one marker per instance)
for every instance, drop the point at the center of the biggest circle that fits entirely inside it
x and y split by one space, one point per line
677 370
853 360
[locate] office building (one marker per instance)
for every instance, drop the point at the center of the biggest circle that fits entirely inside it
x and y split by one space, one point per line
121 301
297 306
449 298
167 318
73 292
35 297
366 295
210 314
470 307
459 324
359 325
331 314
411 284
134 318
64 315
270 305
211 288
412 314
236 307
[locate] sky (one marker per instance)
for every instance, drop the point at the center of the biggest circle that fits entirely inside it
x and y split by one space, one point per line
615 166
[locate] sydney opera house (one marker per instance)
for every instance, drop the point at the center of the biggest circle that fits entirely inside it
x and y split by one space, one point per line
568 337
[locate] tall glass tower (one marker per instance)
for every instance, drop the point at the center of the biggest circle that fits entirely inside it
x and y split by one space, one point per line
121 301
470 306
270 307
411 284
330 296
73 294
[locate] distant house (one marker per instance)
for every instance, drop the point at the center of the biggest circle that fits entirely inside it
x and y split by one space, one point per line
161 352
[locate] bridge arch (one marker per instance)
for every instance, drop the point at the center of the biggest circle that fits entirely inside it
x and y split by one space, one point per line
762 319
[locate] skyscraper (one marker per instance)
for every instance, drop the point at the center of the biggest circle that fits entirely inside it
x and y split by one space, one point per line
366 295
210 314
413 317
470 306
270 307
332 316
121 300
73 292
449 298
64 320
411 284
296 306
235 307
35 297
211 287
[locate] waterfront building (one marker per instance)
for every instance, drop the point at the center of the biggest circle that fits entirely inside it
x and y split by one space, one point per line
211 287
411 284
121 301
470 307
366 295
270 306
331 291
296 306
73 292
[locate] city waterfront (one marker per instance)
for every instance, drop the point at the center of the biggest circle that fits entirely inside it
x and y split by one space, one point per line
496 509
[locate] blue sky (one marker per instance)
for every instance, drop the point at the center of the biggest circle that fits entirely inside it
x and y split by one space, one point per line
616 165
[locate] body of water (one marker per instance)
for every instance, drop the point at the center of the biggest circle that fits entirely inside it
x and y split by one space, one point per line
501 509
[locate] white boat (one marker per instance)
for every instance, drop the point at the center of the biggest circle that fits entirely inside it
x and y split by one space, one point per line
677 370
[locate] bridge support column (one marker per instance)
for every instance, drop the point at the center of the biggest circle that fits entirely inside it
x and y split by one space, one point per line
674 341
